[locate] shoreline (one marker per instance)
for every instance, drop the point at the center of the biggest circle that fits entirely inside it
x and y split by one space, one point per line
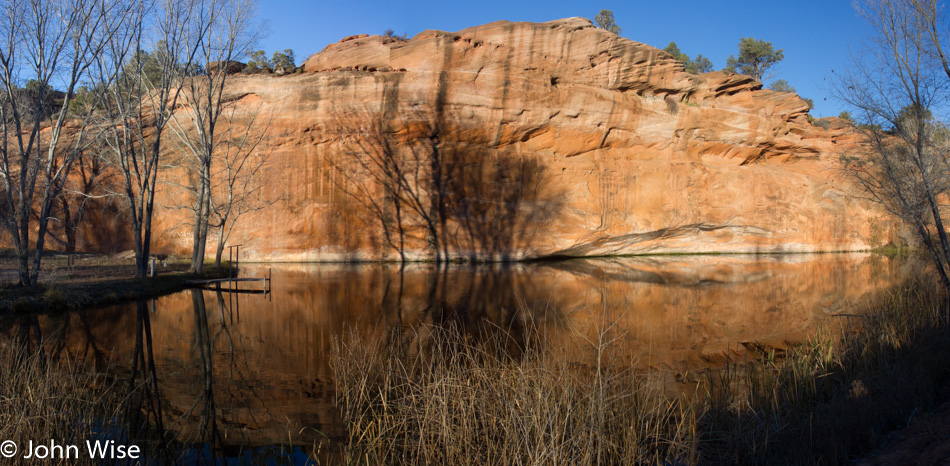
49 298
53 295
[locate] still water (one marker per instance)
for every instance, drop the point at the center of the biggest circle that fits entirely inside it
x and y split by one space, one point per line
248 370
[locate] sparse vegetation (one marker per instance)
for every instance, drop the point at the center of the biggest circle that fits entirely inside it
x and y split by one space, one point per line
898 84
94 281
390 34
465 402
826 400
781 85
257 62
283 62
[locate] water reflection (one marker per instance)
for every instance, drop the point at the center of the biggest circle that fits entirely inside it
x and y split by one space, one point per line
235 372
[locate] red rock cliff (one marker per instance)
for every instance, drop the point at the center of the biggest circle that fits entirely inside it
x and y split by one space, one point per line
557 138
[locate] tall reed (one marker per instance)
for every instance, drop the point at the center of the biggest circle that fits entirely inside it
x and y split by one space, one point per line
44 400
826 400
463 402
831 398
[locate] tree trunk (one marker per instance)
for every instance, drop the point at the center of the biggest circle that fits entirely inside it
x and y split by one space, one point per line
69 229
220 250
141 257
23 248
23 265
200 229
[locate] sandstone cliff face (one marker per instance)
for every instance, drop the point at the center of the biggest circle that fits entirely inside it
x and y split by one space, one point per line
555 139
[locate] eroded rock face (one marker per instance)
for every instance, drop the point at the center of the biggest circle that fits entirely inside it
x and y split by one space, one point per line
554 138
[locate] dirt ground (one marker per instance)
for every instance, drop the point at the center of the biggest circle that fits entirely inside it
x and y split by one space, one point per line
86 268
926 441
90 280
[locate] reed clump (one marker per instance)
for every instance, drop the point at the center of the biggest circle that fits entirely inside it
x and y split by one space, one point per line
467 402
43 400
826 400
832 398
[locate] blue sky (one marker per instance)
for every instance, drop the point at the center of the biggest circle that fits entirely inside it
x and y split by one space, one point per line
817 36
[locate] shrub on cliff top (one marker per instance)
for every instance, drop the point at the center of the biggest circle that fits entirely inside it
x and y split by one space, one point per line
697 65
756 58
605 20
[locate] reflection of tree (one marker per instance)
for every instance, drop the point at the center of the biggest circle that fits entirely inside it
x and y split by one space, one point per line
29 342
207 419
145 406
494 305
418 173
208 337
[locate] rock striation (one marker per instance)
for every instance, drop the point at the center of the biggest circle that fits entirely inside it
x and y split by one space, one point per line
554 139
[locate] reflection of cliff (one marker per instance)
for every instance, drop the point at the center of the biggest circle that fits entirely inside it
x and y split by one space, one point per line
551 138
251 373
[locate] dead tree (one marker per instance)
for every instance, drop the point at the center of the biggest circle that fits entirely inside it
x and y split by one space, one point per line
139 106
45 42
231 32
895 86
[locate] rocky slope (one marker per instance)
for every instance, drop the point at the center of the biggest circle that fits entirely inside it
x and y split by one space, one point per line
553 138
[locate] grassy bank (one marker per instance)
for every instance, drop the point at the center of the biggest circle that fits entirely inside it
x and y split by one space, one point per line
95 281
831 399
824 401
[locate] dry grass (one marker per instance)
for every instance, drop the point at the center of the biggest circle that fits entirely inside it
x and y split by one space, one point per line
42 400
832 398
462 402
826 401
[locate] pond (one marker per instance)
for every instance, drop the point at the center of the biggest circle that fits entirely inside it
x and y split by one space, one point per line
245 370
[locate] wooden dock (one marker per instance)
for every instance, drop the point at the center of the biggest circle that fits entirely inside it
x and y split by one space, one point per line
233 284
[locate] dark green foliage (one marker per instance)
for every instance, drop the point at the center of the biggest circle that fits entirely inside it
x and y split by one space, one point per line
283 62
258 63
674 50
390 34
698 65
48 99
911 114
846 116
756 57
605 20
144 65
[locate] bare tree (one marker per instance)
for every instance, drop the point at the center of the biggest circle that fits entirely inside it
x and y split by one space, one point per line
43 42
139 106
231 32
895 86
